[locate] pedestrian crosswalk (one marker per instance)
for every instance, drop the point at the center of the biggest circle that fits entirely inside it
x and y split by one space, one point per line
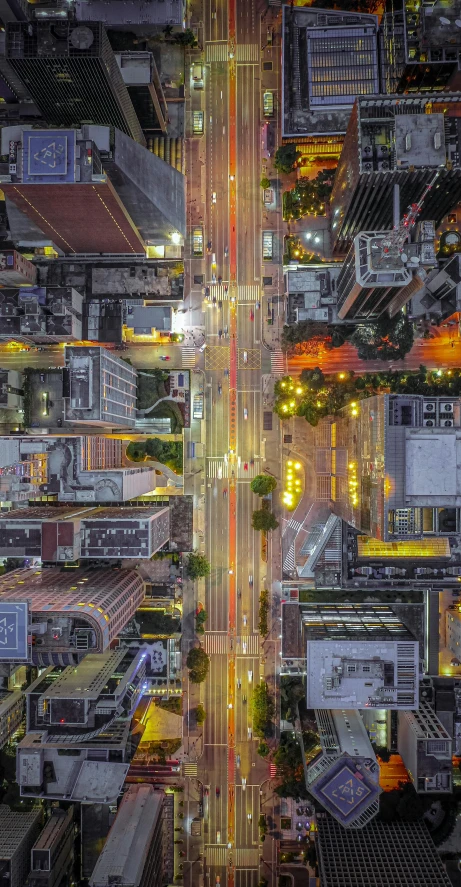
245 292
217 52
294 524
248 52
216 854
289 561
219 468
248 642
246 858
278 363
248 293
189 769
188 356
216 643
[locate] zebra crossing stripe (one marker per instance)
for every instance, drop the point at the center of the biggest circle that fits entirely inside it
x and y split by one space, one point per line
248 293
278 363
217 52
248 52
188 356
189 769
289 562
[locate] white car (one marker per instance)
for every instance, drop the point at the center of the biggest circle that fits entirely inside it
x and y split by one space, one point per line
245 620
249 817
244 784
245 356
245 413
218 837
244 646
219 472
239 683
237 760
213 255
250 733
213 197
250 676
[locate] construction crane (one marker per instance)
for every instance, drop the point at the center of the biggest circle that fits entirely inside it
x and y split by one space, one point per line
392 245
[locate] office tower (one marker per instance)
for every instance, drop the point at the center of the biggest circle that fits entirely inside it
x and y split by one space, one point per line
66 533
420 45
396 474
85 469
100 388
329 58
118 12
18 832
145 89
399 853
355 656
133 852
439 295
344 778
64 626
41 315
11 389
122 278
80 702
11 713
404 140
53 852
378 277
426 749
16 270
71 73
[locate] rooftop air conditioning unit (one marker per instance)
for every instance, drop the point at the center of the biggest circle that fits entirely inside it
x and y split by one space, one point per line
429 406
429 423
447 423
447 408
367 167
383 165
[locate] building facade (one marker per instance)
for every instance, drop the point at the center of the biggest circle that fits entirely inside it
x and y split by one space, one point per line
64 627
53 852
100 388
409 140
133 851
18 832
426 749
11 714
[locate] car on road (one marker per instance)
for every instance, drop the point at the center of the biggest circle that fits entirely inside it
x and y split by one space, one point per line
249 817
213 280
244 646
239 684
250 676
237 760
218 841
250 733
219 388
250 580
252 315
244 783
207 790
244 699
245 619
220 472
224 493
42 377
208 246
213 259
258 305
226 373
245 413
218 877
245 466
213 197
213 298
245 356
226 252
218 791
59 423
219 334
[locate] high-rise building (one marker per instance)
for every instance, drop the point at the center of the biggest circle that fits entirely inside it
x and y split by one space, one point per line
404 140
80 702
58 180
395 474
133 852
11 714
65 533
355 656
420 45
329 58
85 469
426 749
344 778
18 832
16 270
377 279
53 852
71 73
312 292
118 12
64 627
100 388
400 853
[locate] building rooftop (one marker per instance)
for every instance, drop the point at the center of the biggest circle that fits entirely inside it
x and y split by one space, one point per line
124 854
13 829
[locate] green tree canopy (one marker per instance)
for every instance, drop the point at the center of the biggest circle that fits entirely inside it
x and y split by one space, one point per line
286 157
200 714
197 565
390 338
264 520
154 448
198 664
265 182
263 709
263 484
263 749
